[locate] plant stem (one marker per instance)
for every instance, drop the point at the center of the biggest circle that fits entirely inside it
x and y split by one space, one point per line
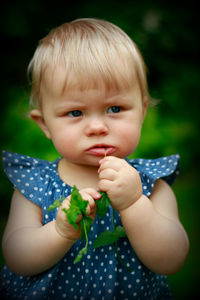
114 219
121 260
117 250
86 235
83 251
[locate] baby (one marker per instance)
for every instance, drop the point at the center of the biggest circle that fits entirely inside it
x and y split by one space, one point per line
90 97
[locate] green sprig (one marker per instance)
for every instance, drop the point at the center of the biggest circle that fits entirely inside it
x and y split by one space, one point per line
83 251
78 207
102 204
56 204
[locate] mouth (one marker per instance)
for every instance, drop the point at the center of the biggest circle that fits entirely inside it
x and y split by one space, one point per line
101 150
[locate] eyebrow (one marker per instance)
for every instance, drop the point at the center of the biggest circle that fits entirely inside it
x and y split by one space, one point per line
117 98
76 104
70 105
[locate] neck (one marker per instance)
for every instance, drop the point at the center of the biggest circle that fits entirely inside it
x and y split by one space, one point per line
83 176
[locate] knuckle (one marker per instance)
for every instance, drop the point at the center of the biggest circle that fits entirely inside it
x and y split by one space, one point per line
101 184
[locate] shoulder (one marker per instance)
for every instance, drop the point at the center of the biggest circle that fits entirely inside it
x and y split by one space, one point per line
150 170
164 200
31 176
157 167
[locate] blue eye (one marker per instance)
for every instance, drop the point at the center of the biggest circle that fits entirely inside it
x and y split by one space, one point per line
114 109
75 113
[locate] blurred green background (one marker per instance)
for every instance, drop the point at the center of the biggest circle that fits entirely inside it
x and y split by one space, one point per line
167 34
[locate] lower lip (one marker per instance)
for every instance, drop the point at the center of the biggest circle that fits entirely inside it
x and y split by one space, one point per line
101 151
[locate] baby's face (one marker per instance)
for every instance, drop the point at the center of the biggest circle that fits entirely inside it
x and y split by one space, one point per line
84 125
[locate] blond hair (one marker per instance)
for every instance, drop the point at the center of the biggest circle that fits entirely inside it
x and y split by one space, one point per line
92 52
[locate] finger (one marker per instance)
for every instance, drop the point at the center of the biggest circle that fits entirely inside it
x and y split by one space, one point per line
66 203
108 158
91 202
90 191
108 174
105 185
110 162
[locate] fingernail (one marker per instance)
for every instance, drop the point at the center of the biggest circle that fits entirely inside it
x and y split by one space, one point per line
98 195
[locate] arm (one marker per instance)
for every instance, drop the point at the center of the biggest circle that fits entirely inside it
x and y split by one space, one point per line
29 247
152 224
155 232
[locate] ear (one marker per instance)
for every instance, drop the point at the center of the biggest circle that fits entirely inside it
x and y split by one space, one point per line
37 116
145 105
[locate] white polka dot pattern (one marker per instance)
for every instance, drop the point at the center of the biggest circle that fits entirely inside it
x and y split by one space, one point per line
98 275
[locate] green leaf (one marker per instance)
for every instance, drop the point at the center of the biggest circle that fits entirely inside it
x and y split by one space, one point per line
108 237
77 207
72 214
77 201
55 204
105 238
102 204
120 232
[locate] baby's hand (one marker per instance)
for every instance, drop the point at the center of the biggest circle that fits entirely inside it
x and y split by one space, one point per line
63 227
121 182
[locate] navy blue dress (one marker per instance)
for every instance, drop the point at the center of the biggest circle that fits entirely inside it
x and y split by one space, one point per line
99 275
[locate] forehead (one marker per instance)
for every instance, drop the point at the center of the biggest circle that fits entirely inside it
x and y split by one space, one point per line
55 94
57 81
53 81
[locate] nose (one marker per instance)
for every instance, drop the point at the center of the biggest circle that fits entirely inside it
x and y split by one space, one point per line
96 126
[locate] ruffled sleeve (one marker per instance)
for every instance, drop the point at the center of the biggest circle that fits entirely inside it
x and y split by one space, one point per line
150 170
27 174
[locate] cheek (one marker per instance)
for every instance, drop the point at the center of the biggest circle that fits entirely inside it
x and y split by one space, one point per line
129 137
65 142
